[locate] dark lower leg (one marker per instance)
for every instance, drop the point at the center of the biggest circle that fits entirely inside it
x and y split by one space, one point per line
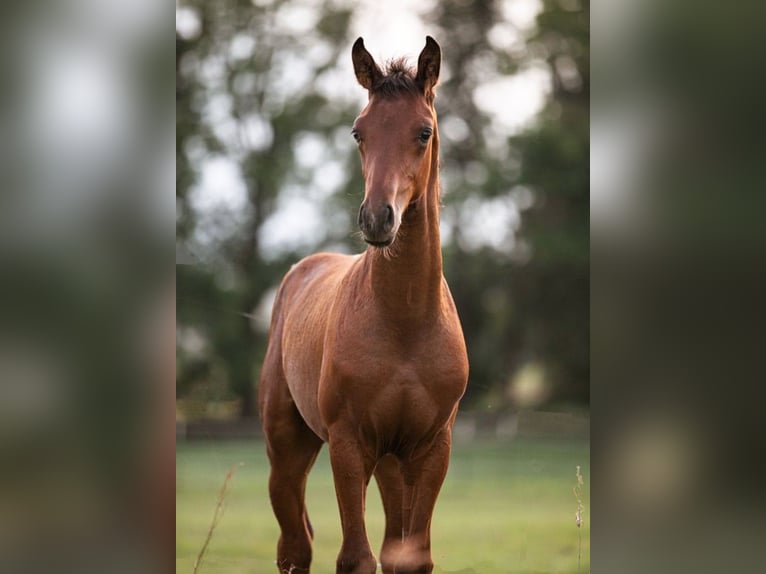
390 483
351 472
294 546
423 479
292 450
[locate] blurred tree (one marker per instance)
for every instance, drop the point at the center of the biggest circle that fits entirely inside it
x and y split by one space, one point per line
236 102
529 303
256 97
472 171
552 294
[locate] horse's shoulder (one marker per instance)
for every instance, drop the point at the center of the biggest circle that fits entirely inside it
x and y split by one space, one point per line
315 275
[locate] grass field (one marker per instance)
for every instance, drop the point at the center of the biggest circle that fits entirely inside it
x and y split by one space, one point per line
505 508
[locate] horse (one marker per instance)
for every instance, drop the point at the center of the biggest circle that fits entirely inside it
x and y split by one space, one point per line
366 353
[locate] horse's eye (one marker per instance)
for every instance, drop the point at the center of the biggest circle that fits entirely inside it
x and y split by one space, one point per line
357 136
425 135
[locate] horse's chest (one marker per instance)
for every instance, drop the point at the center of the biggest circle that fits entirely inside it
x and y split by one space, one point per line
402 359
390 389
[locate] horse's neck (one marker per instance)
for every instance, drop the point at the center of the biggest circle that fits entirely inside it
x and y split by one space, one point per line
407 277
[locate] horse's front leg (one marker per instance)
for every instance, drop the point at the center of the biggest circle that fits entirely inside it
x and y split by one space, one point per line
352 469
423 478
389 477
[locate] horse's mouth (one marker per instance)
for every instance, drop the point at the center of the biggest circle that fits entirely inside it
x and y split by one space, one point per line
379 244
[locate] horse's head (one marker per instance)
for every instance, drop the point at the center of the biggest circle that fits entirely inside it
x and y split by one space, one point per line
397 138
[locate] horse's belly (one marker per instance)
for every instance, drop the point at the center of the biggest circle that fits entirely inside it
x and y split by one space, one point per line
302 376
311 289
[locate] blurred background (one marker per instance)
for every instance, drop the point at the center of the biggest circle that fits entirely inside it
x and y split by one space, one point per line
267 173
87 327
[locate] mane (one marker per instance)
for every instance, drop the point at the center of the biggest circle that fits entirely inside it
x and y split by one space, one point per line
399 78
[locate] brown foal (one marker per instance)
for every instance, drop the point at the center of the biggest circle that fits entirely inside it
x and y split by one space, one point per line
366 352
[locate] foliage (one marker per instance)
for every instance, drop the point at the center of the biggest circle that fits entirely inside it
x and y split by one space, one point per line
256 88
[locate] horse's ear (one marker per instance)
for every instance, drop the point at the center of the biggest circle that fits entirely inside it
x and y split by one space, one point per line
365 68
429 63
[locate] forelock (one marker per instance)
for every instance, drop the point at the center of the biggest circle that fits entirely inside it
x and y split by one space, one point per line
399 78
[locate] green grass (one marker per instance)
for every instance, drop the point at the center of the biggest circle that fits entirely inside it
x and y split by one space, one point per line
505 508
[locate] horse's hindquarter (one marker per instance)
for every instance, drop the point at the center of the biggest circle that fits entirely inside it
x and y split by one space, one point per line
308 292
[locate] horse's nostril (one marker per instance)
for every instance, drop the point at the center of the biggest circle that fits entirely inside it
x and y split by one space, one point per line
360 218
389 215
377 223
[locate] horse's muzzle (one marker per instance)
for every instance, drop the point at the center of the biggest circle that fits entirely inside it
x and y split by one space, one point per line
378 225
